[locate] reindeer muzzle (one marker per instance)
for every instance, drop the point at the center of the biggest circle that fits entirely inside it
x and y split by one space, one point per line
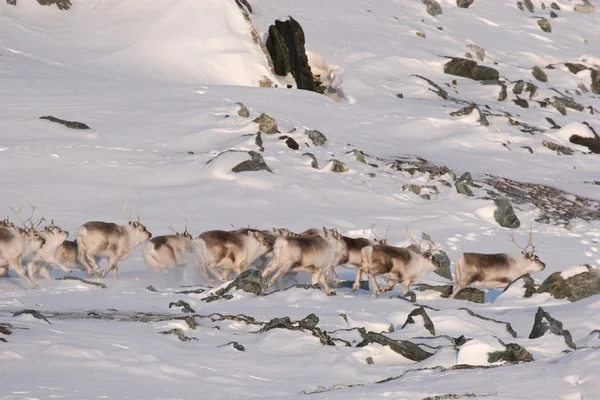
67 233
149 235
43 242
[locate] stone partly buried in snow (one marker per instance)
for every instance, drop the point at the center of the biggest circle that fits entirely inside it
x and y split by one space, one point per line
309 323
68 124
470 69
256 163
403 347
61 4
316 137
505 214
469 294
464 3
427 323
591 143
468 110
574 288
433 7
513 353
266 123
586 7
243 111
539 74
338 166
544 25
526 282
544 323
559 149
248 281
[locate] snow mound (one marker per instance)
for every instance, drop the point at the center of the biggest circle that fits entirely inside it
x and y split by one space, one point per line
572 271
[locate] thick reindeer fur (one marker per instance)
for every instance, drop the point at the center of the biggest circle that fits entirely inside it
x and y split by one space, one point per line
232 251
396 264
16 244
169 251
45 258
492 271
314 254
97 240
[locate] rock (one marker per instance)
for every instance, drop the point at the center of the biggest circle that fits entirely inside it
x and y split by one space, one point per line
505 215
291 143
440 92
309 323
185 307
338 166
528 5
514 353
463 188
314 163
243 111
575 68
258 141
256 163
400 96
416 189
68 124
468 110
427 323
553 14
553 124
479 52
179 333
470 69
544 323
464 3
444 260
249 281
433 7
364 285
360 156
539 74
582 8
573 288
526 282
595 87
520 6
369 361
266 123
33 313
521 102
521 86
61 4
591 143
235 345
544 25
75 278
554 6
191 291
285 44
561 150
151 288
420 34
403 347
5 329
316 137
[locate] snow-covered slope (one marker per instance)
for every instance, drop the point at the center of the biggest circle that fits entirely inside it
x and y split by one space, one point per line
158 82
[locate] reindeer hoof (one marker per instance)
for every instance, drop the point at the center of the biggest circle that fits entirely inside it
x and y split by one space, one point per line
376 293
35 286
355 287
331 292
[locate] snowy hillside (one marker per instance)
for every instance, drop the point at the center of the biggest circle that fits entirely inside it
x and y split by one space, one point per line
159 84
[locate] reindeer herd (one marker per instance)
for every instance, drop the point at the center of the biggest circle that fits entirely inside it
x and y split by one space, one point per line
221 253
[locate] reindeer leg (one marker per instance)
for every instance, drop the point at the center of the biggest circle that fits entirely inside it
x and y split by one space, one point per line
3 272
83 260
17 266
112 264
356 285
334 276
323 280
390 285
269 269
44 272
280 272
405 287
376 289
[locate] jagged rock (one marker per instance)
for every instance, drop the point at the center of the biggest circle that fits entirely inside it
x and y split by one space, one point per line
316 137
528 5
400 96
420 34
526 282
587 8
505 215
468 110
75 278
544 323
285 43
249 281
33 313
416 189
539 74
235 345
544 25
562 150
575 68
258 141
470 69
243 111
314 163
469 294
574 288
266 123
507 325
433 7
338 166
464 3
514 353
308 323
552 123
403 347
61 4
68 124
256 163
591 143
151 288
185 307
179 333
444 268
427 323
369 361
463 188
554 6
440 92
521 86
191 291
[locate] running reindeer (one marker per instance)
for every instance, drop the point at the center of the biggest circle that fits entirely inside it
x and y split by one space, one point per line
170 251
97 240
494 271
396 264
45 258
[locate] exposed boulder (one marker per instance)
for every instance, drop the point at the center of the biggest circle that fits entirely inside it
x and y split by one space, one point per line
338 166
256 163
179 333
433 7
575 68
560 149
595 87
185 306
464 3
591 143
444 268
68 124
403 347
470 69
505 214
544 323
266 123
586 7
526 282
427 323
574 287
290 142
554 6
243 111
521 102
285 43
249 281
513 354
316 137
309 323
528 5
544 25
539 74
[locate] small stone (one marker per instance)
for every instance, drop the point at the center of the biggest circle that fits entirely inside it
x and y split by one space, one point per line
554 6
520 6
235 345
369 361
266 124
292 144
256 163
433 7
179 333
514 353
359 155
575 68
151 288
185 307
544 25
469 69
539 74
505 214
314 163
464 3
463 188
338 166
526 282
521 102
400 96
553 14
585 8
316 137
528 5
427 323
468 56
420 34
243 111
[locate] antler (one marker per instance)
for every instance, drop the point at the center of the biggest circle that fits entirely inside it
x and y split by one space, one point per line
18 214
524 249
412 239
124 209
530 241
137 210
38 222
171 228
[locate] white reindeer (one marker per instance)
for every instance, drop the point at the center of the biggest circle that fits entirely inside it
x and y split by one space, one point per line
494 271
314 254
396 264
170 251
231 251
45 258
97 240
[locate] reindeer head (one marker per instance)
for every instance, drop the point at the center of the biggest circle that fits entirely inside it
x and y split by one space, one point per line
265 243
136 228
7 224
334 238
429 252
33 239
283 232
54 233
533 262
30 232
384 240
185 233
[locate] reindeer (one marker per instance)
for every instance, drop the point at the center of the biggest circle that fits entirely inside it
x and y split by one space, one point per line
232 251
45 258
170 251
495 270
312 253
16 244
396 264
97 240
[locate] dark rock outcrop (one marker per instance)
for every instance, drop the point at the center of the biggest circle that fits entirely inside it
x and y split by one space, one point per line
513 354
544 323
185 306
61 4
256 163
591 143
469 294
235 345
243 111
470 69
248 281
559 149
444 268
285 43
505 215
179 333
338 166
403 347
433 7
574 288
544 25
427 323
526 282
507 325
68 124
575 68
309 323
33 313
314 163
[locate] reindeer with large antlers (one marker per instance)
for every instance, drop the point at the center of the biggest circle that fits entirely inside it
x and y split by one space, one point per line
97 240
170 251
396 264
494 271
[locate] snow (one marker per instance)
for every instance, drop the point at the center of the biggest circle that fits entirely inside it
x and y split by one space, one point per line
158 83
572 271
